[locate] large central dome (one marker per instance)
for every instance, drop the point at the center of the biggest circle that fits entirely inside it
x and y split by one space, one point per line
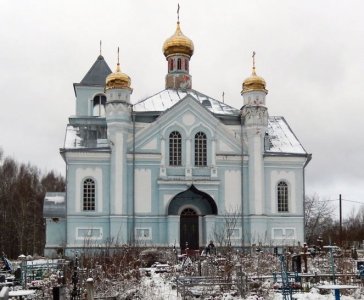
178 43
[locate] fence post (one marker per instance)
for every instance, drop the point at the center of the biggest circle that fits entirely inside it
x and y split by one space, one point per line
90 289
4 293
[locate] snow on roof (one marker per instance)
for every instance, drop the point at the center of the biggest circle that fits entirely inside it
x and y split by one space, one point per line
281 137
169 97
83 136
54 205
56 199
73 140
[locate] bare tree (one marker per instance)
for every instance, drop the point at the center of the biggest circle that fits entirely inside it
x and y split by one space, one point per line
21 206
225 231
318 217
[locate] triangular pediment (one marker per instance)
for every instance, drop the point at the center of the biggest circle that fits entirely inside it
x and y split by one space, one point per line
188 116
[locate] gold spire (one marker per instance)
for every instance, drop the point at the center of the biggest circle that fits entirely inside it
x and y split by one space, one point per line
117 79
178 43
254 82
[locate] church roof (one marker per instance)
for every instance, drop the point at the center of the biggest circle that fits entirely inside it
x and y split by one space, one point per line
98 73
282 140
281 137
169 97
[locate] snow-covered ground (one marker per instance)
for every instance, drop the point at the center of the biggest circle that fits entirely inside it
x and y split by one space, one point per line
222 277
159 286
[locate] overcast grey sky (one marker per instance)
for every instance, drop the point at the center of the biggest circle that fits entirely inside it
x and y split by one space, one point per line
311 54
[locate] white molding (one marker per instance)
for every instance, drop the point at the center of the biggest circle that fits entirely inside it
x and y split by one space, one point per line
86 155
286 159
188 183
284 237
289 177
92 238
148 238
81 174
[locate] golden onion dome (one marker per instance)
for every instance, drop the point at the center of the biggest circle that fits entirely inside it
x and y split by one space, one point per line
117 80
178 43
254 83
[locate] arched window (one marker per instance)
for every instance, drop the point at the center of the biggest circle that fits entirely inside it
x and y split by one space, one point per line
171 64
186 64
175 149
99 106
179 64
200 149
282 196
188 212
88 194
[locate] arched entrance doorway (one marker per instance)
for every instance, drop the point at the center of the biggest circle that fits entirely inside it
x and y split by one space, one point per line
189 234
191 205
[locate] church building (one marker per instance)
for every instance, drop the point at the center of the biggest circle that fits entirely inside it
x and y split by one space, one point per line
178 168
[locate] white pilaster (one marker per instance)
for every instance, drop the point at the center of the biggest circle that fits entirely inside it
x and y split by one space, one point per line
162 170
173 230
213 152
188 170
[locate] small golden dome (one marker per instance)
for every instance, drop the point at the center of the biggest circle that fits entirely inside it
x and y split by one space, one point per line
178 43
117 80
254 83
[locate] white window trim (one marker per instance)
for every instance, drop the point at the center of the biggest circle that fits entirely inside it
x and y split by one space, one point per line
148 238
284 236
78 237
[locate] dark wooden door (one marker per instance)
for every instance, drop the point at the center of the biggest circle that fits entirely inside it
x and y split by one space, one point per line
189 229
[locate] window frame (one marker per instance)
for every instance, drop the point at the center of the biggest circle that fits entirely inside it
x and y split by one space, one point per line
282 197
200 149
88 195
175 149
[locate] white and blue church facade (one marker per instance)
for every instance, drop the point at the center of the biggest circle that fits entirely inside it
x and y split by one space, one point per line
177 168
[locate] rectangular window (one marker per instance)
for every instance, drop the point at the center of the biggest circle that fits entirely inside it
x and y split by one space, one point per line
143 233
